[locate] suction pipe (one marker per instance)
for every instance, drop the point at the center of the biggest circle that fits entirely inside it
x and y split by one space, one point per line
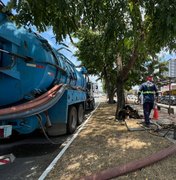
131 166
37 105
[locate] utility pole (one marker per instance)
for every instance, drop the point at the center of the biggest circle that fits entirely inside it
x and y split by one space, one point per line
169 95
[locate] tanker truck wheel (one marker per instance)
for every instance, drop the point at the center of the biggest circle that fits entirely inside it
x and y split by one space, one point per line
80 114
72 120
92 104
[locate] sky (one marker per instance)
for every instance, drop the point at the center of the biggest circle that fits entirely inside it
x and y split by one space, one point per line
70 55
164 55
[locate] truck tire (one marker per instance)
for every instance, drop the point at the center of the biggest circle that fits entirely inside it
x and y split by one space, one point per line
72 120
92 104
80 114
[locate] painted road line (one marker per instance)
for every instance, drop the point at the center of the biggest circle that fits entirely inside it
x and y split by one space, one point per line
53 163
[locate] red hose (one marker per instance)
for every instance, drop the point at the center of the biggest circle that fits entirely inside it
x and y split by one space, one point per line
33 103
54 89
131 166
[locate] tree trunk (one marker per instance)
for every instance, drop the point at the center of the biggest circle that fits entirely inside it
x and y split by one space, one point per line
109 89
120 84
120 95
110 92
122 75
111 97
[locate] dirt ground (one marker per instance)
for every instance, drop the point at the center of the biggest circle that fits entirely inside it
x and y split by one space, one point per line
104 143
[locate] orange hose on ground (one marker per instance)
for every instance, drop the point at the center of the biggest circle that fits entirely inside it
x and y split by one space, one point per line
131 166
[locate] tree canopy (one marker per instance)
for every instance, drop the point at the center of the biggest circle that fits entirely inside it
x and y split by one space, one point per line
98 58
62 15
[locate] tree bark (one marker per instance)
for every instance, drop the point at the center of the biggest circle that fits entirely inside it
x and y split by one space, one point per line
109 88
120 95
122 74
111 94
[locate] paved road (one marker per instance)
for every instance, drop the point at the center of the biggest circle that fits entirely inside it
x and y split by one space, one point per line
32 154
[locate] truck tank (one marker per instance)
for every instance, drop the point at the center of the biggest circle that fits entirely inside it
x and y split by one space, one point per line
38 85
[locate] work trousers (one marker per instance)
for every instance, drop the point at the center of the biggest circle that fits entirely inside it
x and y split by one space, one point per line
147 107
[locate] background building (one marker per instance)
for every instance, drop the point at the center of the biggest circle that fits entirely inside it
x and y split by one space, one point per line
172 68
170 74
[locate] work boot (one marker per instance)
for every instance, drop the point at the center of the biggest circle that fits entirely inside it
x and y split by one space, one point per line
147 125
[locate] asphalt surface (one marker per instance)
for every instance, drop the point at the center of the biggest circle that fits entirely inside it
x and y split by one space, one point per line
32 156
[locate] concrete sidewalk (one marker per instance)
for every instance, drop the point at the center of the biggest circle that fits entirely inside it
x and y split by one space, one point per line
104 143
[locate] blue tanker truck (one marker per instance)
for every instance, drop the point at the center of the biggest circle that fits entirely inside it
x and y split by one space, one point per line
39 87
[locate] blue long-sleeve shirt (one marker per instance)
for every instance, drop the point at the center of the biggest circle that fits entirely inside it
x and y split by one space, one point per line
149 90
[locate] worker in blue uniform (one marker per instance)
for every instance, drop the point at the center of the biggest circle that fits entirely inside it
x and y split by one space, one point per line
149 91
